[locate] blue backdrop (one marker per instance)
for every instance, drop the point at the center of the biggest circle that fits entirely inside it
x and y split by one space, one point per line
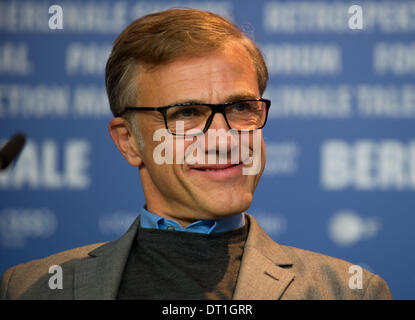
340 175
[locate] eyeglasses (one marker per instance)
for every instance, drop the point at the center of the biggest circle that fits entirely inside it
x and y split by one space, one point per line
242 115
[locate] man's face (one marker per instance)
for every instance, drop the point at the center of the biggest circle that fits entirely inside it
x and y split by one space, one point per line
180 191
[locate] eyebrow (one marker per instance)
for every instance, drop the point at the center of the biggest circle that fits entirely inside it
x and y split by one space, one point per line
231 98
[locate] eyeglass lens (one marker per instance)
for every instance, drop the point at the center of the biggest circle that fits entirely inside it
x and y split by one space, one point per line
242 115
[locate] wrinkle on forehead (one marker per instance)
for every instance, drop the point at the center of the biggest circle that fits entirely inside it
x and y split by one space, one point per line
210 78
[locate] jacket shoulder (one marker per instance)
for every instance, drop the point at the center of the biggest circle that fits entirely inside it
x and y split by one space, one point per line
21 277
328 277
312 259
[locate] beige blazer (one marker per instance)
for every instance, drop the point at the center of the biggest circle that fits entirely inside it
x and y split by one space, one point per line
268 271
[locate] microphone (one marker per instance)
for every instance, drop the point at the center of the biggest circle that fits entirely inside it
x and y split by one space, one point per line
11 149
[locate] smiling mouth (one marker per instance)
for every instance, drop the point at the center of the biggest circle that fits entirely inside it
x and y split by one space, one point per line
216 167
218 171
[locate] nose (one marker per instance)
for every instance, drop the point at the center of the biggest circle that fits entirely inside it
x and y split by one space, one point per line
219 140
219 122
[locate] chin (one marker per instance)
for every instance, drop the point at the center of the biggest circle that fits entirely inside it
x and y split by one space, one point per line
221 207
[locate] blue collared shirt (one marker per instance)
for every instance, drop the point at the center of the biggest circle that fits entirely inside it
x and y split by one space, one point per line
154 221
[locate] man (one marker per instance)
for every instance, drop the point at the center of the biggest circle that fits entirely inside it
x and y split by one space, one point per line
181 74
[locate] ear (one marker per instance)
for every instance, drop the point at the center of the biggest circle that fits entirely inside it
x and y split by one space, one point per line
124 139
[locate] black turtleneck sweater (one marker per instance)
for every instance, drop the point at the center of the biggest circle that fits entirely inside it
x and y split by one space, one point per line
166 264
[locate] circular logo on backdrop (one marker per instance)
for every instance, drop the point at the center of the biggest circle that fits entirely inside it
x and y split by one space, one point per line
273 223
346 228
18 224
115 223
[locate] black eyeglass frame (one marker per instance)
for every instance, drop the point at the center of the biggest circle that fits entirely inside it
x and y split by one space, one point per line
216 108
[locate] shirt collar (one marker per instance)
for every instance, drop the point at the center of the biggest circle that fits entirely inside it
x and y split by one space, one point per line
154 221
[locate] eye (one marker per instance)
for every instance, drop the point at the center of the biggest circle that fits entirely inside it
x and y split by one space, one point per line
187 112
240 107
184 112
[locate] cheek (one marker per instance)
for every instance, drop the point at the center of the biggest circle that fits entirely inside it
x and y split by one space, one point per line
160 157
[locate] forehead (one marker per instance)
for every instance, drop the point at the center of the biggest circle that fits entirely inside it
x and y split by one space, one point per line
210 78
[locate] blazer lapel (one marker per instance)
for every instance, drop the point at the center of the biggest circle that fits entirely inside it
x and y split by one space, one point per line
99 276
263 273
265 269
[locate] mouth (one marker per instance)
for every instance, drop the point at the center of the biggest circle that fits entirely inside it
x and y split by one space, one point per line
218 171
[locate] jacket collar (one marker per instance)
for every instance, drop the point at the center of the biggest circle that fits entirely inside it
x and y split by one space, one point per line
264 272
99 276
265 268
